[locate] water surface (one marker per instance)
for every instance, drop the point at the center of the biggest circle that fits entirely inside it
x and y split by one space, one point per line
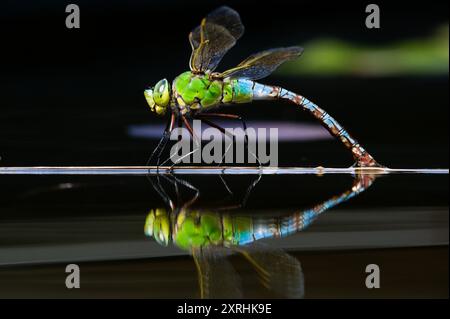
399 222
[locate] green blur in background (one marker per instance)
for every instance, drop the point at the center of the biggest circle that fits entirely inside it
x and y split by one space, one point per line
420 56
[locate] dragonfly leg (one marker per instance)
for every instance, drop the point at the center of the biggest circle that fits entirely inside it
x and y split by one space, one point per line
190 186
176 188
250 189
175 181
197 142
205 116
243 202
223 131
163 141
228 116
161 191
230 192
179 125
197 139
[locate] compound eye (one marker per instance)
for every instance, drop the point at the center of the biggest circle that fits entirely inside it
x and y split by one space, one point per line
161 93
149 223
149 97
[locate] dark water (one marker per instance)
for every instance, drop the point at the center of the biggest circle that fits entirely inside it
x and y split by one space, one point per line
400 223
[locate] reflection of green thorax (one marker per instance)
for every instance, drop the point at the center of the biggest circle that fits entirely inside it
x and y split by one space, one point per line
201 229
200 91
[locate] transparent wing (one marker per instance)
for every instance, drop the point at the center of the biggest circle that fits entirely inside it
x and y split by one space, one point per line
216 34
277 270
217 277
260 65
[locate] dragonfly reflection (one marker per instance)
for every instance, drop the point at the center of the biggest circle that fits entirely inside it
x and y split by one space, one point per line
211 235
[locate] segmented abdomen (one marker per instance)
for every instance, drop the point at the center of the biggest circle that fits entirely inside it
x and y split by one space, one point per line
362 157
240 230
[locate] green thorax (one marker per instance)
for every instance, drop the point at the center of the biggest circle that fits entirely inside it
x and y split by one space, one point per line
202 91
194 229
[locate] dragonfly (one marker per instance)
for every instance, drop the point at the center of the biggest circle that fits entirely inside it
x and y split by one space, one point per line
210 235
194 93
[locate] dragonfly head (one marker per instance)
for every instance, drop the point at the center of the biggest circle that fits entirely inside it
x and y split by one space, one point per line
158 97
157 225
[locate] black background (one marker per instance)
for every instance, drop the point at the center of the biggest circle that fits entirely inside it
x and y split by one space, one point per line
68 95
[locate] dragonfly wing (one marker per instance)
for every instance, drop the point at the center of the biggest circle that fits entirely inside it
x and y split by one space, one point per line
261 64
216 34
277 270
217 277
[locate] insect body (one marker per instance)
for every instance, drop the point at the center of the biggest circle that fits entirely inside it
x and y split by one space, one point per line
201 89
199 92
208 235
193 229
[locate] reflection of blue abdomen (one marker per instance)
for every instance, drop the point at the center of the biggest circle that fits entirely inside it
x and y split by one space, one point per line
278 227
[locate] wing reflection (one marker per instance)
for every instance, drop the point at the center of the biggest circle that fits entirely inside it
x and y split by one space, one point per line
211 235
